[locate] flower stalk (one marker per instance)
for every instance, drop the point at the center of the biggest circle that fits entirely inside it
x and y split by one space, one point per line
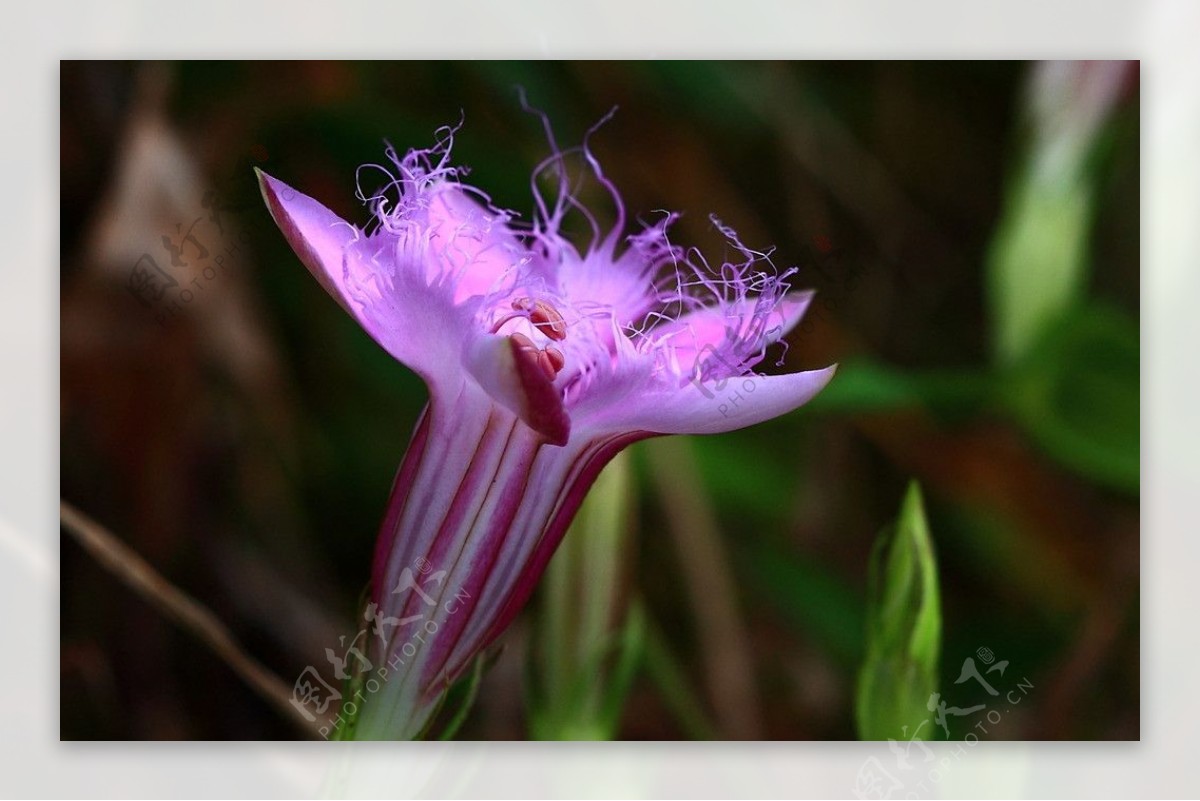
588 637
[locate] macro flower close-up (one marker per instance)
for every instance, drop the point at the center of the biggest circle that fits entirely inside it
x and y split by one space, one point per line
606 401
542 361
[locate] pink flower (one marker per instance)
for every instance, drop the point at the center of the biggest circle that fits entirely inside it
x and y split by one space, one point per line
542 362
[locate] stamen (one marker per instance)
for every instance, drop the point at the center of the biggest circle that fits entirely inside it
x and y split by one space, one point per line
550 364
544 317
555 357
507 318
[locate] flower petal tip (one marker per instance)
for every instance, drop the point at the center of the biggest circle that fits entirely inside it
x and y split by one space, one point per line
317 235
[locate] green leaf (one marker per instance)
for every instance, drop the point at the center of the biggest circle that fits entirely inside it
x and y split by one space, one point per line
751 472
863 386
469 689
681 699
904 628
809 594
1078 395
1038 258
630 651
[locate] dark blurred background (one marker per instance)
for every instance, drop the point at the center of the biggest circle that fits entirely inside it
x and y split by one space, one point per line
228 421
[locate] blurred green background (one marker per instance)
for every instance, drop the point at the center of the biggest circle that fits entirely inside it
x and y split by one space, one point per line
972 230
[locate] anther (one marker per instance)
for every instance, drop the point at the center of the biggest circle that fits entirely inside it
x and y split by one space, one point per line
544 317
555 357
551 361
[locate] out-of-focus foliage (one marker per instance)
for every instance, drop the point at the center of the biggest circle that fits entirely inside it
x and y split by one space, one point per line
1039 258
586 643
1077 395
971 229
